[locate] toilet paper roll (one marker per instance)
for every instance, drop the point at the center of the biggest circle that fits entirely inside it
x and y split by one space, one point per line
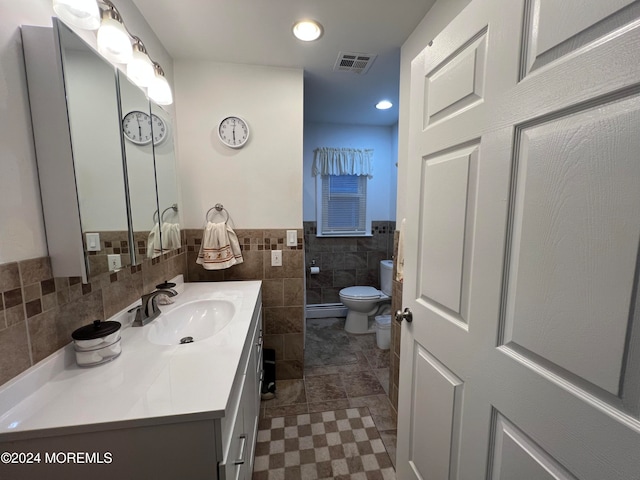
314 270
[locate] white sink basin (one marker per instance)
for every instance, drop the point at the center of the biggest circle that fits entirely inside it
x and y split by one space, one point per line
199 320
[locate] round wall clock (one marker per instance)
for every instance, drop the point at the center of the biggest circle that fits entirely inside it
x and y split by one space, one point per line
159 128
233 132
136 126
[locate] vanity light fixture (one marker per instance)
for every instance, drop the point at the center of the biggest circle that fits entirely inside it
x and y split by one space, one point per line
113 39
384 105
159 90
140 69
116 43
78 13
307 30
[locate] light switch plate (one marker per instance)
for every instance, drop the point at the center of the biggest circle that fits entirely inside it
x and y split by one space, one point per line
93 242
276 258
292 238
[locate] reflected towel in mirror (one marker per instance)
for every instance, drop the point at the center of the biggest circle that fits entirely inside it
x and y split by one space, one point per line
170 236
153 242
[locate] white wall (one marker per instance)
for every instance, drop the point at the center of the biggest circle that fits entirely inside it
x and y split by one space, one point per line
393 200
438 17
21 226
260 184
381 189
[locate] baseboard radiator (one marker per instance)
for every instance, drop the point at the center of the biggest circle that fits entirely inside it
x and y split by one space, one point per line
325 310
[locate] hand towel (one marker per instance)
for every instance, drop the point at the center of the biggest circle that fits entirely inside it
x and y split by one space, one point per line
153 242
170 236
400 258
220 247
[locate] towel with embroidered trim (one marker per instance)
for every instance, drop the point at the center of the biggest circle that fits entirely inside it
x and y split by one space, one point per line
220 247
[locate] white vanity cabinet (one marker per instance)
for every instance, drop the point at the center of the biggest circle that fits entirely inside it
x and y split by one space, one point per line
240 427
191 442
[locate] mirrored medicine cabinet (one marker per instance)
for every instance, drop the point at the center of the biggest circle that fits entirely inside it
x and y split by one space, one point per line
109 201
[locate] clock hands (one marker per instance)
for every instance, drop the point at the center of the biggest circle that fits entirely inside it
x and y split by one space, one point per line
233 132
144 133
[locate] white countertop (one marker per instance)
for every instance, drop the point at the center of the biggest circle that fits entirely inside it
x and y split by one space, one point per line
146 384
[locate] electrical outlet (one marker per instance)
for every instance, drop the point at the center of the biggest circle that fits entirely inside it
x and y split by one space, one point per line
114 262
276 258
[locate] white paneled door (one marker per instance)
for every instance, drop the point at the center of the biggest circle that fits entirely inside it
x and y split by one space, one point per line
522 361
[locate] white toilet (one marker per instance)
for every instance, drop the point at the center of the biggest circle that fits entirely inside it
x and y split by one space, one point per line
366 302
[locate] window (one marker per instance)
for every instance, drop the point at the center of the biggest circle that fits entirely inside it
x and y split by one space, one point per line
343 209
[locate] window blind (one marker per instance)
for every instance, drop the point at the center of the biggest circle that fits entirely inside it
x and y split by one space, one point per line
344 204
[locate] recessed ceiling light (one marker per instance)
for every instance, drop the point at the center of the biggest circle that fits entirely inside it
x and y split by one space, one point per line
384 105
307 30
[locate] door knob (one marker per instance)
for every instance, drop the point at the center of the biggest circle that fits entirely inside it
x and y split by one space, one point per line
406 315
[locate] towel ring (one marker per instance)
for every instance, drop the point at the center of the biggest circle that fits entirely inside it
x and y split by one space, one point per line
218 208
173 207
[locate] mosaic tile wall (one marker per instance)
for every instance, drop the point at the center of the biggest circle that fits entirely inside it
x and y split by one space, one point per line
282 289
344 261
38 312
111 243
394 359
116 242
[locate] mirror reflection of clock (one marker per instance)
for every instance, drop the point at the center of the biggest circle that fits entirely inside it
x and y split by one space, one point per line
159 129
136 126
140 128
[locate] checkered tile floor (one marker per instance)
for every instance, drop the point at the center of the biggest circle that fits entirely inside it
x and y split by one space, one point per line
340 444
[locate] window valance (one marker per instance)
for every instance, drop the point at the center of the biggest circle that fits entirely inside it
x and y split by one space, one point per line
342 161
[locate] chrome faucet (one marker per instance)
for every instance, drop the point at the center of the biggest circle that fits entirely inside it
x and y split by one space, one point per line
149 309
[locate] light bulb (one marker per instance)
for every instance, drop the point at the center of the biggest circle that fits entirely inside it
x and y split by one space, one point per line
307 30
384 105
159 90
113 40
140 69
78 13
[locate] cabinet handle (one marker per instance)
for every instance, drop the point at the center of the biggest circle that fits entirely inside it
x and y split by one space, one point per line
261 376
243 439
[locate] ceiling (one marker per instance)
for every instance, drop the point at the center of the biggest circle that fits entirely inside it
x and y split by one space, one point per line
258 32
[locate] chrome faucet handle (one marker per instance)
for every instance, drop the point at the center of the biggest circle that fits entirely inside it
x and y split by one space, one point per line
149 310
150 301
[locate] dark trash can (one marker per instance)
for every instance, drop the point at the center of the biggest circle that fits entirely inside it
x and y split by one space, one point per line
269 379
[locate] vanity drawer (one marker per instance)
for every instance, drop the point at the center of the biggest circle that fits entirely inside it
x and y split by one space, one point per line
239 427
232 466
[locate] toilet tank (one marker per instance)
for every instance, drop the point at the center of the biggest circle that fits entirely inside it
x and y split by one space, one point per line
386 275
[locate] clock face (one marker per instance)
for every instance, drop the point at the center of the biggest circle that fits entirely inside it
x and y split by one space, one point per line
159 129
136 126
233 132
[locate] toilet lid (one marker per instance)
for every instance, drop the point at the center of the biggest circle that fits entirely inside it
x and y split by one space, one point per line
360 292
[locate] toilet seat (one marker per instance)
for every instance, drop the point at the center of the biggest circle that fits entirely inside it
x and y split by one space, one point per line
361 293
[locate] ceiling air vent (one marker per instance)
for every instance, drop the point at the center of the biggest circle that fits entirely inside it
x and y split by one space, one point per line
354 62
